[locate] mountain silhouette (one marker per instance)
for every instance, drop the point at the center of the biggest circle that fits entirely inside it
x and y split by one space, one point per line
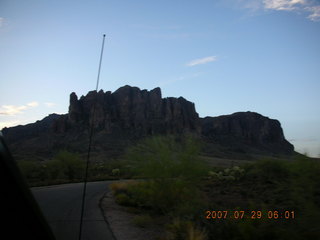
129 114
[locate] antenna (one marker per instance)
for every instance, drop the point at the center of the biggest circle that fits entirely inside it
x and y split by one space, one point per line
90 143
101 55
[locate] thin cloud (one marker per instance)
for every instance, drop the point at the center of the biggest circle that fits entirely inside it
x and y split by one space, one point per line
12 110
33 104
9 124
309 7
201 61
284 5
49 104
315 13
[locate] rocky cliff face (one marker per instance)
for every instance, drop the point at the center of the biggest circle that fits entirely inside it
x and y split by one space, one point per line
129 114
246 129
133 111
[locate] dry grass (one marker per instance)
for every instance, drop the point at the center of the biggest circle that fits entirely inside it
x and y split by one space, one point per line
181 229
121 187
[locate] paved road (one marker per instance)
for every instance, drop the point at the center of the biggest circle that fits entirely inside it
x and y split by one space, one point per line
61 205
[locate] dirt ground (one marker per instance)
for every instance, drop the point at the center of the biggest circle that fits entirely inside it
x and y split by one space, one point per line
121 222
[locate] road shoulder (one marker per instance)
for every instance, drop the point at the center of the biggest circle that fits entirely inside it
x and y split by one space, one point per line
121 222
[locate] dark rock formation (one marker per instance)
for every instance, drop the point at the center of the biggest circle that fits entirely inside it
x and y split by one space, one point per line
34 140
118 118
243 130
25 132
132 111
129 114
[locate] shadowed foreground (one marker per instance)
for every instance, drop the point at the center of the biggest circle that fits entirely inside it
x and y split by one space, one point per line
61 206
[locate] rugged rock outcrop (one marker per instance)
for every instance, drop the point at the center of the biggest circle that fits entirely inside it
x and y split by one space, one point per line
133 111
129 114
243 130
34 140
25 132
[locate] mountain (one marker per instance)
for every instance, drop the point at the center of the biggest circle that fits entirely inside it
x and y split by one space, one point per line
132 111
129 114
246 132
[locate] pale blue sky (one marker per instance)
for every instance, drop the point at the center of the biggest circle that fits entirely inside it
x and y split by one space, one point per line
223 55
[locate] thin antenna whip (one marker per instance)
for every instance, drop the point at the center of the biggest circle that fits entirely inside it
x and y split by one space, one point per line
101 55
90 143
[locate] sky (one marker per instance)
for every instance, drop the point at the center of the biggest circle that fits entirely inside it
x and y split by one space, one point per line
225 56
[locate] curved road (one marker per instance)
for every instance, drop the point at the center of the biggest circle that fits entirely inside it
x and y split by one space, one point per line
61 206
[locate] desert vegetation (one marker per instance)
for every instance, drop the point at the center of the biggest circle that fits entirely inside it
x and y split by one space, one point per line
280 198
68 167
174 186
64 167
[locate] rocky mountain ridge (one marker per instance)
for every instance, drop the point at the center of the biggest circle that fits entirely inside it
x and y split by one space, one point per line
129 114
131 110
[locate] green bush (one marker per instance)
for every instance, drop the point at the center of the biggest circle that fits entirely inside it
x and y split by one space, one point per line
173 169
164 197
167 157
64 167
269 170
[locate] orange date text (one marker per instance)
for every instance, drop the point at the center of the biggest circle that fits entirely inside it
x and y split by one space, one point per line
255 214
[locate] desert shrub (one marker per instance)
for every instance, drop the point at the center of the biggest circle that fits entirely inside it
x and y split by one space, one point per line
66 165
33 171
142 221
121 192
123 199
292 185
268 170
228 174
99 170
166 157
185 230
55 169
122 187
164 197
115 172
109 169
172 168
